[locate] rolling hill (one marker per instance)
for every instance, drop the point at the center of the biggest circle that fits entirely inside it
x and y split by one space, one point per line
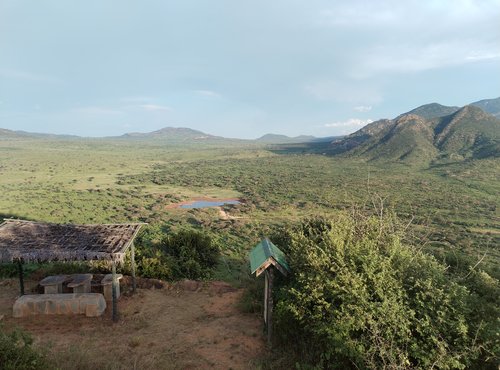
432 110
173 134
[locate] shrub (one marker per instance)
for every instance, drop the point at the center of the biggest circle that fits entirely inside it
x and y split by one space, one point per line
17 352
183 254
194 253
359 297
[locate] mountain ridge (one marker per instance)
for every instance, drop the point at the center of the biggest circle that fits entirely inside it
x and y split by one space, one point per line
467 133
359 139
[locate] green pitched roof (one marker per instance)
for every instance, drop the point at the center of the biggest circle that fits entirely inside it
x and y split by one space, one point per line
263 251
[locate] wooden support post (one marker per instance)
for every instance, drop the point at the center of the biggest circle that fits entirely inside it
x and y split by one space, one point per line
132 260
113 292
21 275
269 303
266 289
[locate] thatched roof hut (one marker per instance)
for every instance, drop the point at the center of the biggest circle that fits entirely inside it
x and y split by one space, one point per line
28 241
36 241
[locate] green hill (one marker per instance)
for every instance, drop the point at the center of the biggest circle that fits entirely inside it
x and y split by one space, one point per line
177 134
468 132
433 110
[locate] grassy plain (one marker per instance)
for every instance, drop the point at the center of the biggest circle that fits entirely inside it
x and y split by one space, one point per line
454 207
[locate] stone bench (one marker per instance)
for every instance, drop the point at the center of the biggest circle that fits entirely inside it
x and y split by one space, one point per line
107 286
90 304
80 283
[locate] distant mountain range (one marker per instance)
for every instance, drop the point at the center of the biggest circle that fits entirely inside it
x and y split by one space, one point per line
176 135
429 133
168 135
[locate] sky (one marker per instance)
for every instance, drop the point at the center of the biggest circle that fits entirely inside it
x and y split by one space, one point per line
240 68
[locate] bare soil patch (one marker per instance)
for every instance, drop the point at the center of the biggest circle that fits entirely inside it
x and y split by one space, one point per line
190 325
201 199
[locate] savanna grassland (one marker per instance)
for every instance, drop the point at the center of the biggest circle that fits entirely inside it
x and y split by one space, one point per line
363 293
453 209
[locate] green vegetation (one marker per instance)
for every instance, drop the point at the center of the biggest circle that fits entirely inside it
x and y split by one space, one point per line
453 206
449 209
422 137
17 352
361 297
171 256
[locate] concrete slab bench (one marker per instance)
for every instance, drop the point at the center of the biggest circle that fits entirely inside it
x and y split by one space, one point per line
80 283
89 304
107 286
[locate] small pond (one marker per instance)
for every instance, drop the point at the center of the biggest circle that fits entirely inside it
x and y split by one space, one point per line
208 203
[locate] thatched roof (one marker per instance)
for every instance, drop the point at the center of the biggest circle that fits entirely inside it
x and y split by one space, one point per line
37 241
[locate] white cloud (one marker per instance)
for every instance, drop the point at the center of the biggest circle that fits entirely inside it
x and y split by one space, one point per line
155 108
363 108
409 13
405 58
412 35
208 93
477 56
350 123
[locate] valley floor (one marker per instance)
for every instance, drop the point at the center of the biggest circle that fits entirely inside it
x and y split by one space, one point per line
172 328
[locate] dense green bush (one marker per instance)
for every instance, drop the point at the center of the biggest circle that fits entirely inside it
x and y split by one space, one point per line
17 352
194 252
183 254
359 297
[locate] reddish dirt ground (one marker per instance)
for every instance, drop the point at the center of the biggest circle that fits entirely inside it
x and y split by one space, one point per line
201 199
187 326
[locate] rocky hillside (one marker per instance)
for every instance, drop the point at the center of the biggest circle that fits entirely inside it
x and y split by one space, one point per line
468 132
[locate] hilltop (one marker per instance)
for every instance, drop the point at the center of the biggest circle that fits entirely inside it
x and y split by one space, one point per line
491 106
172 133
435 110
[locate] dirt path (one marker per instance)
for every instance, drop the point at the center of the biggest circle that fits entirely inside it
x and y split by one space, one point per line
158 329
226 216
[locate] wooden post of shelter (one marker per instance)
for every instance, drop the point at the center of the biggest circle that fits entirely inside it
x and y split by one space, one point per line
266 257
21 275
113 290
132 260
268 306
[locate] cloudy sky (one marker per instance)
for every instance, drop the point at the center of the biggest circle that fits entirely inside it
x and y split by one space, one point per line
240 68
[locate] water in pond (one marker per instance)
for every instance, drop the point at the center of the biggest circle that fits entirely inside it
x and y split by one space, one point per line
209 203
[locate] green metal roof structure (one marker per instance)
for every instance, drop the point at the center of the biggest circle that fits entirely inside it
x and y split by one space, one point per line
266 254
